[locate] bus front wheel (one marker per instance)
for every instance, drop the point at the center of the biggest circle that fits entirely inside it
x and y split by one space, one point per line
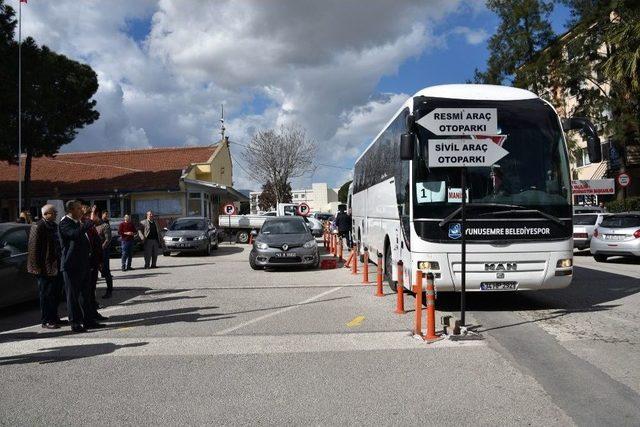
388 269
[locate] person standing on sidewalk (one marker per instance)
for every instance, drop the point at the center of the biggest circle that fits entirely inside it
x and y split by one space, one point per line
44 262
151 240
104 232
126 231
343 224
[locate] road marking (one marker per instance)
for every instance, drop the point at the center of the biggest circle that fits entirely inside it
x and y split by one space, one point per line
74 347
357 321
275 313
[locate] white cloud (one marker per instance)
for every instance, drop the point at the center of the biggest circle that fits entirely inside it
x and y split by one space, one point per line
315 63
472 36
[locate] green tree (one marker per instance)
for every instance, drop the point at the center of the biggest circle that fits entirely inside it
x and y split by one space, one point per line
56 99
268 199
343 192
523 31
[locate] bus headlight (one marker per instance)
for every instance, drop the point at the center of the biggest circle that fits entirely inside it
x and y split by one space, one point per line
564 263
428 265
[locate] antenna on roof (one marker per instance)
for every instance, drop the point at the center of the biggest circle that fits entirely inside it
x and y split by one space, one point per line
222 128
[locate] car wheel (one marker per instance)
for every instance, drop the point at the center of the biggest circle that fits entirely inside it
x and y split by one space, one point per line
388 269
215 246
252 263
600 258
243 236
208 250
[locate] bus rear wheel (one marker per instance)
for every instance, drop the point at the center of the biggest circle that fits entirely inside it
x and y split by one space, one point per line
388 269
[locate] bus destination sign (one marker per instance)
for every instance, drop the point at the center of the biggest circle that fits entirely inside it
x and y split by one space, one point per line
461 121
464 152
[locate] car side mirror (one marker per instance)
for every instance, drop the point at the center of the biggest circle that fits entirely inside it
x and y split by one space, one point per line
590 132
407 146
254 233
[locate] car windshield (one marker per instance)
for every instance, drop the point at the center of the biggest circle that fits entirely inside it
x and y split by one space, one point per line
621 221
585 219
283 227
188 225
534 173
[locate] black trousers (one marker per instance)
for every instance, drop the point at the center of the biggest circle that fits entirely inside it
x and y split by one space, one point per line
106 271
49 288
79 301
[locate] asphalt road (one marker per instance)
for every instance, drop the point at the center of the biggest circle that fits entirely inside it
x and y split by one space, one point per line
206 340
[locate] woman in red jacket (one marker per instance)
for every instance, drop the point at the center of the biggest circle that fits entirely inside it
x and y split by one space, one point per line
127 231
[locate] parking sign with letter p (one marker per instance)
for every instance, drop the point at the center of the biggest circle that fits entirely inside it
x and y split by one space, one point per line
229 209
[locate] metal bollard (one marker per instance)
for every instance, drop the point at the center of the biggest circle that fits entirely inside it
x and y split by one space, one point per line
418 291
431 309
379 292
365 267
400 288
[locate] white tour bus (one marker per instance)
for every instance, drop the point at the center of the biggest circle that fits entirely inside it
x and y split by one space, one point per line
519 229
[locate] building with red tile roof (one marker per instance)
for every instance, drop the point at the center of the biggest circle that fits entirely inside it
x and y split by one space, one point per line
172 182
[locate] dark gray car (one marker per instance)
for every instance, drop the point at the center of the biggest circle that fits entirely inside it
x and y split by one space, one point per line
284 241
191 234
16 284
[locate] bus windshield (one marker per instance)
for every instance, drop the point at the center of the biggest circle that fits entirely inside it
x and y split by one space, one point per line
534 175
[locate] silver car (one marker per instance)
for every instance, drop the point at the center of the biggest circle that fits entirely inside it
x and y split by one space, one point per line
284 241
190 234
583 226
617 235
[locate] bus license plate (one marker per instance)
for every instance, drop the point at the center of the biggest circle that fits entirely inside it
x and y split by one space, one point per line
499 286
286 255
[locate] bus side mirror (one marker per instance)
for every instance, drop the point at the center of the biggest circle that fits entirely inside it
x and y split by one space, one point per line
407 146
585 126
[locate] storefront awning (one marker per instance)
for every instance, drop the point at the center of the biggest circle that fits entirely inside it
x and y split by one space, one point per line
214 188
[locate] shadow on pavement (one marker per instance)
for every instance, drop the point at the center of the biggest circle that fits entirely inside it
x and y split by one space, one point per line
28 314
71 352
163 317
590 290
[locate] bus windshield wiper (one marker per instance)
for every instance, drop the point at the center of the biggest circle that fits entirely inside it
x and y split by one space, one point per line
456 212
529 211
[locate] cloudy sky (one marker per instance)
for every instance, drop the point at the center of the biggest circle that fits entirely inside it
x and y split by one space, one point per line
340 68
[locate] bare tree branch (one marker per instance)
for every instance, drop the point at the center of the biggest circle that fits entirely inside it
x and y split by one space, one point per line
277 156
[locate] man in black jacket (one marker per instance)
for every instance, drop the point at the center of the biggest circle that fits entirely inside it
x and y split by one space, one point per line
44 262
76 251
343 223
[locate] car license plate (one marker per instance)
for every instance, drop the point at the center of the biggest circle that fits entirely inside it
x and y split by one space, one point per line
579 235
499 286
286 255
614 236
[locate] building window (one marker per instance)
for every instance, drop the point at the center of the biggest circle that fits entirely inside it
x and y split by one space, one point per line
582 157
159 206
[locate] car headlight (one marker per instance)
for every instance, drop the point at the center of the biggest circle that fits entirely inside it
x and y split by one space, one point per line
204 236
261 245
310 244
167 239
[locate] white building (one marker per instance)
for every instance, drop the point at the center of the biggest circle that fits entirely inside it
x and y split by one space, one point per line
319 197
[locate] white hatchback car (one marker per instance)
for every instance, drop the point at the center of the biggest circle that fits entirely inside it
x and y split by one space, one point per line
617 235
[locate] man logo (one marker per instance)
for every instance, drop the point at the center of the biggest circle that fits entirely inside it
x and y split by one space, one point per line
507 266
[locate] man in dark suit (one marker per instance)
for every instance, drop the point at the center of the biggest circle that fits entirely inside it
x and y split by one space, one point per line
76 250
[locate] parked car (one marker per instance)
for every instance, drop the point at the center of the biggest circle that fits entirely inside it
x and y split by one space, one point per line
324 216
315 225
115 250
284 241
16 284
577 209
617 235
583 226
190 234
